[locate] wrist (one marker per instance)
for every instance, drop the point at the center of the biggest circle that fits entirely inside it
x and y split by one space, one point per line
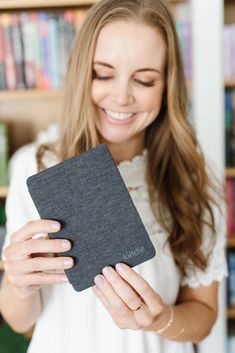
25 293
165 320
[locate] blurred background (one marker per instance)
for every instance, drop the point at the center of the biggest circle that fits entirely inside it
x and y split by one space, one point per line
35 40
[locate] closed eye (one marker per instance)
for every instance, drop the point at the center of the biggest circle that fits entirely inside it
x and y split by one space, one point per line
101 78
106 78
146 83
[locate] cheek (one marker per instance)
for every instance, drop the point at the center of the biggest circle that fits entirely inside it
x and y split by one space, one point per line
97 92
151 100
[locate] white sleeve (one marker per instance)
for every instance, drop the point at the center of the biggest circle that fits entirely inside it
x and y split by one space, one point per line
217 264
19 206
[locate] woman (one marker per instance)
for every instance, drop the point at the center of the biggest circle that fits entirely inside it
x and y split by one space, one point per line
126 88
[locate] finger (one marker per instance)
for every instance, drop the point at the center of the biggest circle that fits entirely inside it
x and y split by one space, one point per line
115 302
101 297
32 246
122 288
34 227
150 297
38 264
37 279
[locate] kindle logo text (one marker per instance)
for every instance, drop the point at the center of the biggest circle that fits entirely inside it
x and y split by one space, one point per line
135 252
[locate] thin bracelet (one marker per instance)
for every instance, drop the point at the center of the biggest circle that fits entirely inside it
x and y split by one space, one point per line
168 324
181 331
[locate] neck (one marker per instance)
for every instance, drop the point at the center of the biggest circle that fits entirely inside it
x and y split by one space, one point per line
125 151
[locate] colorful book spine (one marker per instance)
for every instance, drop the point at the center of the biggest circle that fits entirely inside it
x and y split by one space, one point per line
229 51
17 44
29 53
9 60
44 48
62 47
53 50
3 84
231 279
229 130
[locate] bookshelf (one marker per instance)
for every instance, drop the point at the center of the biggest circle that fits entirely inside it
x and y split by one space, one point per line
20 108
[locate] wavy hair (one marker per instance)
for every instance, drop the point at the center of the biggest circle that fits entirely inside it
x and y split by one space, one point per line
178 182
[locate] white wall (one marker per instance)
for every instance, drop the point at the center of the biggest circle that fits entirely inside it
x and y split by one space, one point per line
208 114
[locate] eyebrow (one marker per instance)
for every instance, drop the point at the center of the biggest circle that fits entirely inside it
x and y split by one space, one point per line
139 70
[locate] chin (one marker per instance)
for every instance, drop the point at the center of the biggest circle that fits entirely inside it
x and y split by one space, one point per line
112 139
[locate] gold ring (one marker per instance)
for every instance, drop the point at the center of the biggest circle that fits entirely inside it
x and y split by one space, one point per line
138 307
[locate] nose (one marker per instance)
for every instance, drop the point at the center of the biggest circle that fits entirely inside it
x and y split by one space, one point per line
121 94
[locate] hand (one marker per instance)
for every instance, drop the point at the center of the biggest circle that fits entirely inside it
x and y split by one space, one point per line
129 299
27 260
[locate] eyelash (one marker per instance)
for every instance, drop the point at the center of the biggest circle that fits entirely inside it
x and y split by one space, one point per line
145 84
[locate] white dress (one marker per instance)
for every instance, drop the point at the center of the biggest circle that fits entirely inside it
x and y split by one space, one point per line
75 322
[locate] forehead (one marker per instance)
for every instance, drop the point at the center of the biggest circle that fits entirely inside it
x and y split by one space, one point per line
130 41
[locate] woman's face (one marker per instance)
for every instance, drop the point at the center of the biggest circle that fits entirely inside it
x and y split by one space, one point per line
128 80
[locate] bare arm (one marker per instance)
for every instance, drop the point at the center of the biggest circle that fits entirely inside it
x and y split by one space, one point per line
26 267
194 315
21 314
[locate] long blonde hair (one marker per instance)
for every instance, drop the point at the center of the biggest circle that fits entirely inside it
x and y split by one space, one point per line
176 173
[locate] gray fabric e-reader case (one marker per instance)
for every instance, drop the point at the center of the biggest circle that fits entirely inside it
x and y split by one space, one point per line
88 196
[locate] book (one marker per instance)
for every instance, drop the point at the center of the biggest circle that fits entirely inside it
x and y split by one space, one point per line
17 44
44 49
29 52
53 50
231 279
3 84
9 60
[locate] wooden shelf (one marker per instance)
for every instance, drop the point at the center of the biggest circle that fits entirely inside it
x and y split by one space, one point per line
230 172
30 94
3 191
29 4
231 313
231 241
229 84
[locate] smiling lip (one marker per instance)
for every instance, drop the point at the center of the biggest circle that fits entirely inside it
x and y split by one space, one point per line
115 121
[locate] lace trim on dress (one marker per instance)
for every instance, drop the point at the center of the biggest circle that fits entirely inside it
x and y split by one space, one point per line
216 270
139 193
133 165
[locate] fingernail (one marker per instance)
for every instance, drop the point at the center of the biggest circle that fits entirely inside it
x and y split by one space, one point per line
107 271
99 280
65 244
68 262
120 267
55 225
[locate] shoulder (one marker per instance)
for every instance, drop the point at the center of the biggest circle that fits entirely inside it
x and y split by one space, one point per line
23 161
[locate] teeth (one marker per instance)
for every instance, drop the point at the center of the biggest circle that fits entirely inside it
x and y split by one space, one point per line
118 116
